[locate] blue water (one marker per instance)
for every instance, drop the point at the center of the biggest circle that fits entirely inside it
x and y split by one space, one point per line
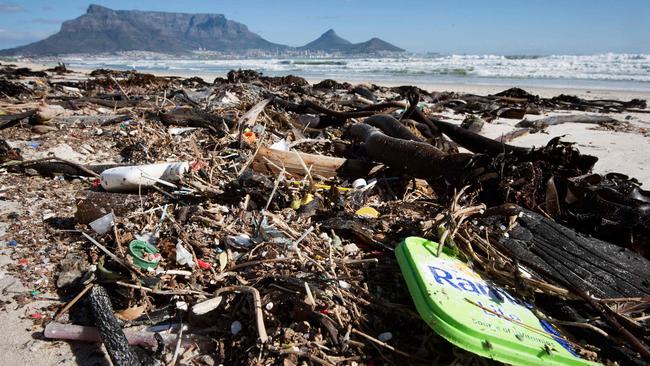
603 71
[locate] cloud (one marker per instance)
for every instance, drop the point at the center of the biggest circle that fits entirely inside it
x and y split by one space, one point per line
6 7
47 21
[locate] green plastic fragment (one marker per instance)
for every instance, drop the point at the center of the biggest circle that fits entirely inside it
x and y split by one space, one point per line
139 249
475 314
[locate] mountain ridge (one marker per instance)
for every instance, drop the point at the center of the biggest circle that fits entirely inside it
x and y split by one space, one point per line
332 42
104 30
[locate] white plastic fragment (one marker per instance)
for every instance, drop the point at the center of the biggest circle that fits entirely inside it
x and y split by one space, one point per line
351 249
359 183
103 224
239 241
183 257
206 306
180 130
281 145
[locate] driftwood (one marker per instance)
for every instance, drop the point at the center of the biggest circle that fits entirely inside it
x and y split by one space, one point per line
602 269
272 161
192 117
115 120
110 103
12 119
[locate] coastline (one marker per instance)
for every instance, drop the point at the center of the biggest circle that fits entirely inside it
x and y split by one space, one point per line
618 149
623 152
469 88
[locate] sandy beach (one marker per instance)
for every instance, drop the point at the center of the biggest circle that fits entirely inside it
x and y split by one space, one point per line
618 151
217 183
622 152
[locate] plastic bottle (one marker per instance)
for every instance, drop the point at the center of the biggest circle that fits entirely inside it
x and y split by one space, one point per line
130 178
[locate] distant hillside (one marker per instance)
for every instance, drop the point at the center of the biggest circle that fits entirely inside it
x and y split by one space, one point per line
328 41
105 30
374 45
331 42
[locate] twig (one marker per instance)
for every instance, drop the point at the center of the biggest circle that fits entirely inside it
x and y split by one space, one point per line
310 297
179 338
299 353
103 248
73 301
275 188
119 86
163 292
261 261
257 303
386 345
581 325
304 166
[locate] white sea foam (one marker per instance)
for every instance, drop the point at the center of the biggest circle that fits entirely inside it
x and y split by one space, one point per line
603 67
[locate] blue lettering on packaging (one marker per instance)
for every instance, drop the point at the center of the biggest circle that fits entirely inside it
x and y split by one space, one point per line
443 277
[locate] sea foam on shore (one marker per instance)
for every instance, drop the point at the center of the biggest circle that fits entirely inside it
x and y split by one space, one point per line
604 71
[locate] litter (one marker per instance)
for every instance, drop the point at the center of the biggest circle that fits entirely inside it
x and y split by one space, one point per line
144 255
477 315
256 220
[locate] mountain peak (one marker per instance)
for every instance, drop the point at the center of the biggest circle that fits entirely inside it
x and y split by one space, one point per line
328 41
331 42
375 45
102 29
96 9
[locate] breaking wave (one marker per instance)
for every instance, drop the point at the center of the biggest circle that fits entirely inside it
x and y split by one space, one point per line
603 67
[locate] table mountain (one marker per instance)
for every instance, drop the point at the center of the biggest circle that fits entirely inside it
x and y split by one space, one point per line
105 30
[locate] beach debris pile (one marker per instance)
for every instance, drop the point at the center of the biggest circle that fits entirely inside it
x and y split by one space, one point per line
254 219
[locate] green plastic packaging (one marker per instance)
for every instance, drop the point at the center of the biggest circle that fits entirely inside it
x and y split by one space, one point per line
477 315
138 249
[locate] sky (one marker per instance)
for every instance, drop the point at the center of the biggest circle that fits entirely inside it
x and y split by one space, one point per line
506 27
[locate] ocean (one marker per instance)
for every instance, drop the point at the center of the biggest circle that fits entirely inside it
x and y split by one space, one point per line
604 71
